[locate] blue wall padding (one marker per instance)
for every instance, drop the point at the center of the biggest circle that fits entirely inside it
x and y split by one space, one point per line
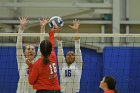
92 71
134 76
123 63
8 70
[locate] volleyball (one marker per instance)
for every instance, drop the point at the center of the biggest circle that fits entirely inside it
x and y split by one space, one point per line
56 20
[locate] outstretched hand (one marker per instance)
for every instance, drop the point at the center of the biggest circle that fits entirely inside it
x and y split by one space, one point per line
44 21
75 25
23 21
28 62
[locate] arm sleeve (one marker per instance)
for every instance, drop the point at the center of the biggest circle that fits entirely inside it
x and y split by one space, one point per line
77 81
79 63
62 82
19 52
38 55
51 39
61 60
22 79
78 55
33 74
60 54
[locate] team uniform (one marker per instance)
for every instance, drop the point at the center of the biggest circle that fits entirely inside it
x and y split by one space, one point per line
23 84
70 75
109 91
44 76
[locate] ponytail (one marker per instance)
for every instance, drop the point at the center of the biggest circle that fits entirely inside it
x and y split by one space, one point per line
46 60
45 49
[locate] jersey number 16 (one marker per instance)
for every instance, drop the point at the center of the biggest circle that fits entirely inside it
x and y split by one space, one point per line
67 73
53 68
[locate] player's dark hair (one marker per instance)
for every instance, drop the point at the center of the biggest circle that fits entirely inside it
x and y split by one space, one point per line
111 83
45 49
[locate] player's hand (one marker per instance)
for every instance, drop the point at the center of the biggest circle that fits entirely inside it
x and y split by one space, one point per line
43 21
23 21
75 25
28 61
56 28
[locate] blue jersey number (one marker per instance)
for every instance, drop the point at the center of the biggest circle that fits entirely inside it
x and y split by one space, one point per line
67 73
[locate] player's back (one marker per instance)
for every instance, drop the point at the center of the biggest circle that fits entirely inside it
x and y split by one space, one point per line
47 76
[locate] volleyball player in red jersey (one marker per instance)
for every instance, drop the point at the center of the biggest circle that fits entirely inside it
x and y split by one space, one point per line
108 85
43 73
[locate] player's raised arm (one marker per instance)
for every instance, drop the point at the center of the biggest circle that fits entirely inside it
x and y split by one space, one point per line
78 54
60 53
20 54
43 22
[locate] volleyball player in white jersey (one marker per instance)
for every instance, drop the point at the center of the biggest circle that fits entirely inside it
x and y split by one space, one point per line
29 53
70 67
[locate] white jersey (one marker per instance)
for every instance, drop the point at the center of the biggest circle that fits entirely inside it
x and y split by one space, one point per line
70 75
23 84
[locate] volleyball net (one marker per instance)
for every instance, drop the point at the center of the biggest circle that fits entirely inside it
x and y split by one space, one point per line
116 55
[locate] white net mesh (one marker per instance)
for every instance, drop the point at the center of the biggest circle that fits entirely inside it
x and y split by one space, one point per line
116 55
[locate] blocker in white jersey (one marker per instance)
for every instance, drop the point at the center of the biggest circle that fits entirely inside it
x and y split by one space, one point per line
70 67
29 54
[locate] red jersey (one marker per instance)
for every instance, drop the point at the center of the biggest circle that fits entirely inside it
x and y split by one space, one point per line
109 91
44 76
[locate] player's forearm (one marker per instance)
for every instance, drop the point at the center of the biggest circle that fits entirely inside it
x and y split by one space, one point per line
21 28
78 54
19 43
42 29
41 38
60 48
77 47
19 60
77 43
77 35
60 54
19 49
19 38
59 42
51 38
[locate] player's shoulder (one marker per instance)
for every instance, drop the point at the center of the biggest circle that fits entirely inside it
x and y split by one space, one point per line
74 63
38 61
